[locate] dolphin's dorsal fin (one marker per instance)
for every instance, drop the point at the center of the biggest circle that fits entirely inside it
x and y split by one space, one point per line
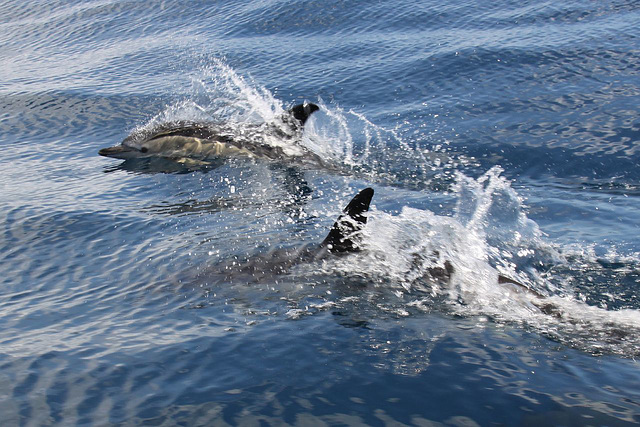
341 236
303 111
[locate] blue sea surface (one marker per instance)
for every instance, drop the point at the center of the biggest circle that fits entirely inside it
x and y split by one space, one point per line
501 137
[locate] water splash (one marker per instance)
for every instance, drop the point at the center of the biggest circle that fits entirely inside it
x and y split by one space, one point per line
361 147
226 95
219 94
487 235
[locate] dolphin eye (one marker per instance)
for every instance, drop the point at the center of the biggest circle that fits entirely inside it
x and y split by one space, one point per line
144 149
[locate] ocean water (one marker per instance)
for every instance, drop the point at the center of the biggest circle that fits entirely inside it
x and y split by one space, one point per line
502 137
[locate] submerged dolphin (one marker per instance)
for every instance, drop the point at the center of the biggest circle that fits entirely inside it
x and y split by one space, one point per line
202 141
344 237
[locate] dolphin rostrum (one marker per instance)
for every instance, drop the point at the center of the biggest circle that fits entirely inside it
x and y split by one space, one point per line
203 141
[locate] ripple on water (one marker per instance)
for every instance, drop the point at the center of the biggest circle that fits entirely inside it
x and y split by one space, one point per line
101 322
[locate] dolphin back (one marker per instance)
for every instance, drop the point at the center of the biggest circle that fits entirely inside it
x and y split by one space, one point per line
343 235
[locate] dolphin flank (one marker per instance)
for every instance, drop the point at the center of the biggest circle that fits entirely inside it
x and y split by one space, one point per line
202 141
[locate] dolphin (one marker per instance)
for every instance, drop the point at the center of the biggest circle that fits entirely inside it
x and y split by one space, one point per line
203 141
345 237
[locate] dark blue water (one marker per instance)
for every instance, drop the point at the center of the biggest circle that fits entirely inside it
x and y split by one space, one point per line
502 137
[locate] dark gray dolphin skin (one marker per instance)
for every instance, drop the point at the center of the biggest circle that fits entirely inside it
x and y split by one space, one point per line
301 112
202 141
348 224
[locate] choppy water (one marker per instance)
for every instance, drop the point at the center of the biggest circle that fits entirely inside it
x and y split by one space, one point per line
500 136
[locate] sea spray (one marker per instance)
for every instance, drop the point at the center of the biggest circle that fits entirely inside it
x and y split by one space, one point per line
346 140
487 235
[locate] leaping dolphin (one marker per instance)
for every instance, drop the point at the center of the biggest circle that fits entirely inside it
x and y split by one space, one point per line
203 141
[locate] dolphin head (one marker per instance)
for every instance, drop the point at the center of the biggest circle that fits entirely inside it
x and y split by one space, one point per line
123 151
140 144
303 111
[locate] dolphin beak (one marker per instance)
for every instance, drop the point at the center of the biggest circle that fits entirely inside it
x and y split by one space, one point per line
119 152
